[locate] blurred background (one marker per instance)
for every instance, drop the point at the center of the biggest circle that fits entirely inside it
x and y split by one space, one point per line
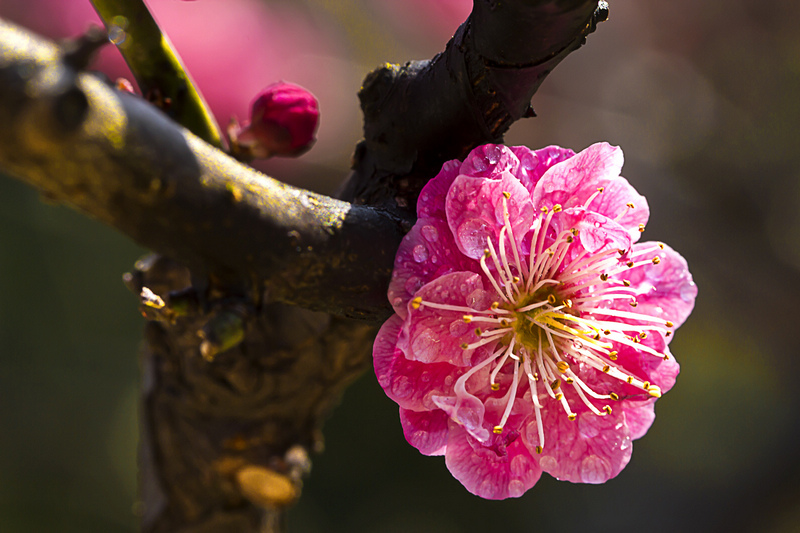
703 97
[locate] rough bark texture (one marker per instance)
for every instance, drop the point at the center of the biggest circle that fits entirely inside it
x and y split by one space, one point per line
242 362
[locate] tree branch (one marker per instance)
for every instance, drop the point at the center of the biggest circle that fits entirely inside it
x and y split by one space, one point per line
424 113
156 65
120 160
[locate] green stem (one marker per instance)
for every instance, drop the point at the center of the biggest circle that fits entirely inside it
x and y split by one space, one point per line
156 65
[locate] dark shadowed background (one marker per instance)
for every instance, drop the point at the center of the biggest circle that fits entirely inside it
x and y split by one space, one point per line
703 97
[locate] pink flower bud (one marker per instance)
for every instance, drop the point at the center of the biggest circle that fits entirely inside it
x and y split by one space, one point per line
283 120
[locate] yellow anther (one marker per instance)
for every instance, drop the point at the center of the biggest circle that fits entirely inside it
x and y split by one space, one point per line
601 189
661 245
572 416
557 208
630 204
544 209
495 305
486 253
630 380
497 430
654 391
563 366
495 386
478 332
646 385
636 339
607 409
669 324
606 368
464 345
643 335
626 282
606 332
641 228
569 380
538 449
416 302
516 279
467 319
629 264
567 303
634 303
621 252
614 396
504 322
667 334
596 336
570 239
507 194
612 356
555 384
574 231
551 299
656 260
559 396
604 277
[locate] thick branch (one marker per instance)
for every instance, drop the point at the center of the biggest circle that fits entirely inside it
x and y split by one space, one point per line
120 160
427 112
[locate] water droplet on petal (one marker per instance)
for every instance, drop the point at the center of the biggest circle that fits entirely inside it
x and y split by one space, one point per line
430 233
548 463
420 253
413 284
472 235
516 488
479 299
595 469
459 328
424 345
402 387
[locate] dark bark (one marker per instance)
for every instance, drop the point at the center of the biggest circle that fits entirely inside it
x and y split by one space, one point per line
236 382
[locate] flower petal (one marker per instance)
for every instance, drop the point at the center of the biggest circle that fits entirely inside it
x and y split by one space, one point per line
430 203
425 430
427 252
666 289
475 211
490 161
485 473
591 449
409 383
432 335
534 163
571 183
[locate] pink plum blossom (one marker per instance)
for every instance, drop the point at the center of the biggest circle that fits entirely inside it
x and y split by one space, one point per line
531 328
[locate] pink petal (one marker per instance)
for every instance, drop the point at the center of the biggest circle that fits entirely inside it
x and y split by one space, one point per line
490 161
591 449
409 383
432 196
485 473
427 252
475 211
435 335
425 430
664 290
572 182
534 163
639 417
596 232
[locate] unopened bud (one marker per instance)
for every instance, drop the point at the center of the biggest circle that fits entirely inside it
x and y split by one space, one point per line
283 120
